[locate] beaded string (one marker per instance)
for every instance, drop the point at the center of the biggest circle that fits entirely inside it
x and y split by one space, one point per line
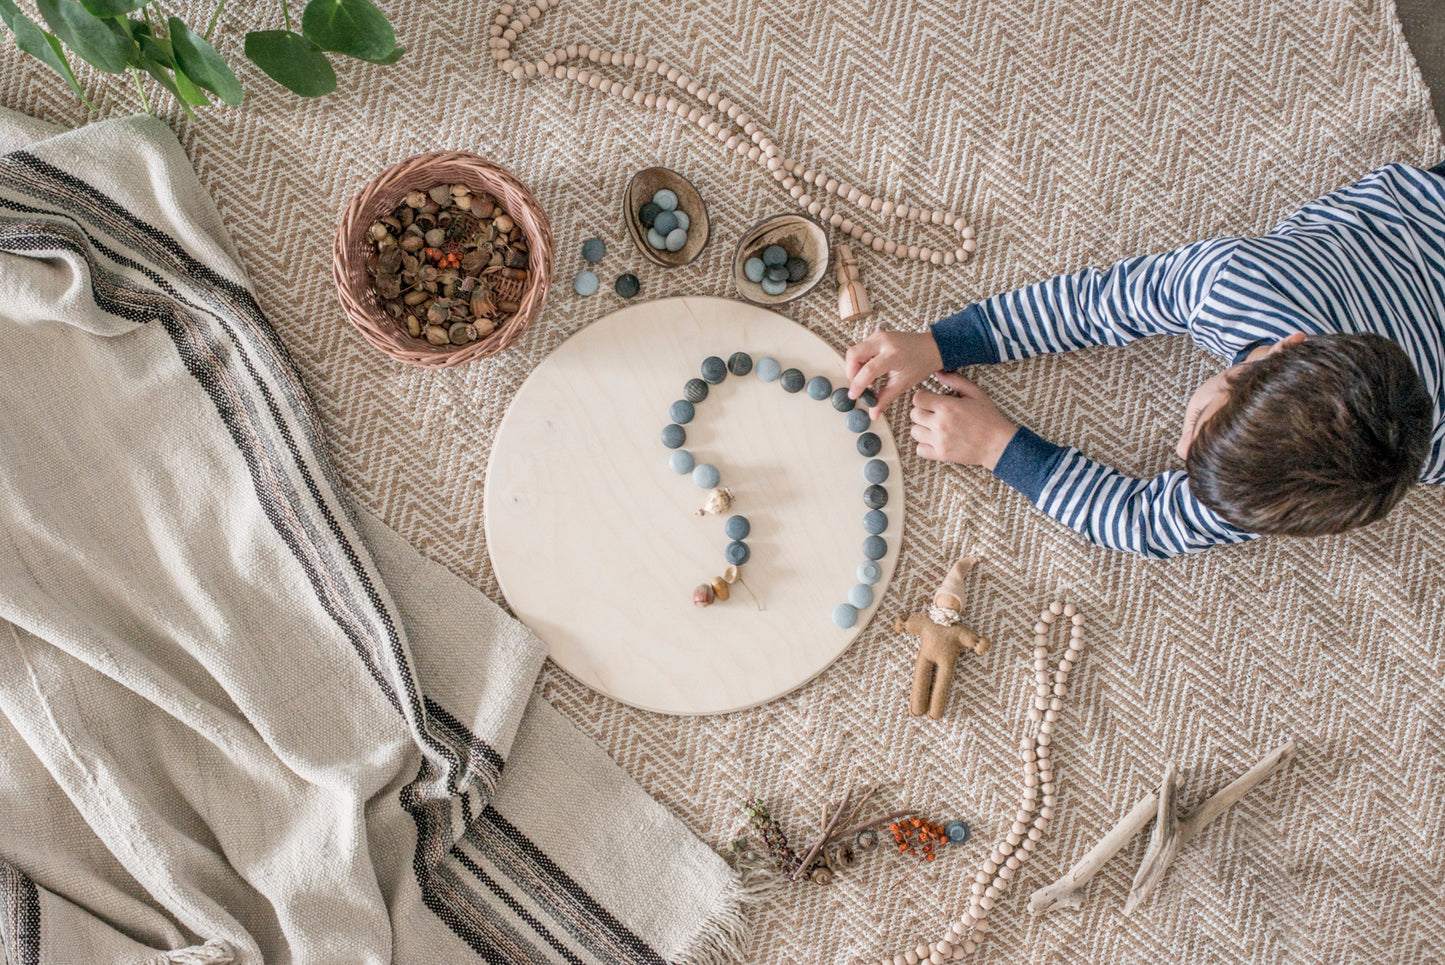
724 120
1036 801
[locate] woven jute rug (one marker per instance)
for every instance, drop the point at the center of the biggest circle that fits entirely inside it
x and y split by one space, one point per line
1071 133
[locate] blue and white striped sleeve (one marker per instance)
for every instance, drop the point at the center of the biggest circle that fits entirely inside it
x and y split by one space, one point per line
1150 295
1157 517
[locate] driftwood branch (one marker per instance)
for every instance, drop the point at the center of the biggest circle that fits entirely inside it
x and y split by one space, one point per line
1170 834
822 839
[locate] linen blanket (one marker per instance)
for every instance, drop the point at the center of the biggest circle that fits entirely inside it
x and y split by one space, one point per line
238 720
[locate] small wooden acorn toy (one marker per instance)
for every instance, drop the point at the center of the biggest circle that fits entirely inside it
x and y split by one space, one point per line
941 635
852 296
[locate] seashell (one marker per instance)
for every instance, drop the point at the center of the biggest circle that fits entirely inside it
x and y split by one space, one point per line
718 502
731 574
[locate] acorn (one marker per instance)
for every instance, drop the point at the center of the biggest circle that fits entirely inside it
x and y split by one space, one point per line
720 589
703 595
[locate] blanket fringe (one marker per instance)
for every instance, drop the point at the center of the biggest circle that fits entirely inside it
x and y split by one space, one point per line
726 934
214 952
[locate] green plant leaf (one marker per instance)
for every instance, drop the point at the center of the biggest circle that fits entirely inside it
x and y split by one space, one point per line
291 61
120 29
112 8
152 48
90 38
39 44
188 90
390 58
200 62
163 77
356 28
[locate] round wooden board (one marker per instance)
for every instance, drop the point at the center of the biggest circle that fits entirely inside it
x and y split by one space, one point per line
595 541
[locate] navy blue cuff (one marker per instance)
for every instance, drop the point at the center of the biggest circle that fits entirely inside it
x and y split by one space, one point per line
1240 355
964 338
1027 463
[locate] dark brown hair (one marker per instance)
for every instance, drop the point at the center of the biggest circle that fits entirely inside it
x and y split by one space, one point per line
1315 438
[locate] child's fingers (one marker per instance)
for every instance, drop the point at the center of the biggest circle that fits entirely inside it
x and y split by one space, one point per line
924 399
864 377
958 383
892 389
926 451
854 358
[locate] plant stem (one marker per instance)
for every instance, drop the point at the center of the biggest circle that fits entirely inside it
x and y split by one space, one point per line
286 14
215 15
144 103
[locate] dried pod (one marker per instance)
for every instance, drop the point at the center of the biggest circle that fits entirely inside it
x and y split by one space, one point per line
378 231
720 589
703 595
866 840
415 199
718 501
441 194
821 876
437 335
847 857
503 223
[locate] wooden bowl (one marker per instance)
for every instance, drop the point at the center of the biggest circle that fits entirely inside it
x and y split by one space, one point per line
801 236
380 197
640 189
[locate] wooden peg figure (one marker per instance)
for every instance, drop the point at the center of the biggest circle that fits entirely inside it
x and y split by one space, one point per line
941 635
852 296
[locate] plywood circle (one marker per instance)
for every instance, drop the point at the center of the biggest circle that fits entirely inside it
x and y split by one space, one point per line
594 538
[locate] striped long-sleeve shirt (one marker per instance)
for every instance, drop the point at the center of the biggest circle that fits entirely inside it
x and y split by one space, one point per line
1369 257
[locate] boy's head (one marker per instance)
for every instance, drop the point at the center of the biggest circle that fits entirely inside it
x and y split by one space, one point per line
1308 436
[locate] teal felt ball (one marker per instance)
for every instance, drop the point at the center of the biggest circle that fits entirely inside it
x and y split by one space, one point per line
861 596
680 462
844 616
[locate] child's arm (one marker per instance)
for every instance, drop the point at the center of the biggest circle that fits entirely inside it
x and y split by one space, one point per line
1149 295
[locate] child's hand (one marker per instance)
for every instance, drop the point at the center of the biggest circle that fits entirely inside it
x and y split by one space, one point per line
904 359
967 429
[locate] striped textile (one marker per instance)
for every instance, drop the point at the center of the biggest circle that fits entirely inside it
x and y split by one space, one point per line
1369 257
240 721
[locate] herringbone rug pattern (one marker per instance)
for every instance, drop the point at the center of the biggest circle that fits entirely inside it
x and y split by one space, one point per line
1071 133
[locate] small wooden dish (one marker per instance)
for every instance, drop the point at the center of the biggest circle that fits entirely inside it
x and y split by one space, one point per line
640 189
801 236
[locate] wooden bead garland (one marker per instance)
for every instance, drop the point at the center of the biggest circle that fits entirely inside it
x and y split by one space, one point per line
1031 819
724 120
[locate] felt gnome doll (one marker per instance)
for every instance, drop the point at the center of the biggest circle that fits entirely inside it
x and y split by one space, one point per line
941 635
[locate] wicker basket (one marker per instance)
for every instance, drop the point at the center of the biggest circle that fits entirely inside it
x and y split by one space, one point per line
380 198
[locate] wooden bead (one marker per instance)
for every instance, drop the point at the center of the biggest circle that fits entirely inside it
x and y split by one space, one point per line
890 247
1005 848
970 947
958 928
1041 628
985 902
911 957
1038 832
559 72
989 866
921 951
853 194
970 246
835 220
1013 837
992 891
1070 610
936 958
977 888
1014 862
712 97
866 238
754 153
1056 704
913 251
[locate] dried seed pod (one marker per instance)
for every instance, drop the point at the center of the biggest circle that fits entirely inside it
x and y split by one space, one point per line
703 595
720 589
866 840
821 876
503 223
415 199
718 502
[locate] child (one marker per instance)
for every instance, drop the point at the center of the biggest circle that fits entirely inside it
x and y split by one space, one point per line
1333 405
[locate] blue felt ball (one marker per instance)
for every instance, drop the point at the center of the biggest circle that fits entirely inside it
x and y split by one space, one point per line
774 255
737 552
714 370
665 199
875 471
769 368
777 273
772 286
676 239
754 270
706 476
740 363
875 547
875 521
868 398
858 420
868 443
875 497
682 412
819 388
585 283
665 222
594 250
656 239
673 436
737 527
683 221
681 462
841 402
869 572
844 616
861 596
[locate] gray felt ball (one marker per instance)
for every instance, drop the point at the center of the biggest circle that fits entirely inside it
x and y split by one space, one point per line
754 269
777 273
695 390
797 269
714 370
683 221
875 521
861 596
740 363
868 398
673 435
665 199
627 285
844 616
875 471
675 239
585 283
875 547
841 402
648 213
869 444
682 412
819 388
737 552
706 476
875 497
769 368
681 462
737 527
775 255
665 222
858 420
792 381
593 250
771 287
869 572
656 239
